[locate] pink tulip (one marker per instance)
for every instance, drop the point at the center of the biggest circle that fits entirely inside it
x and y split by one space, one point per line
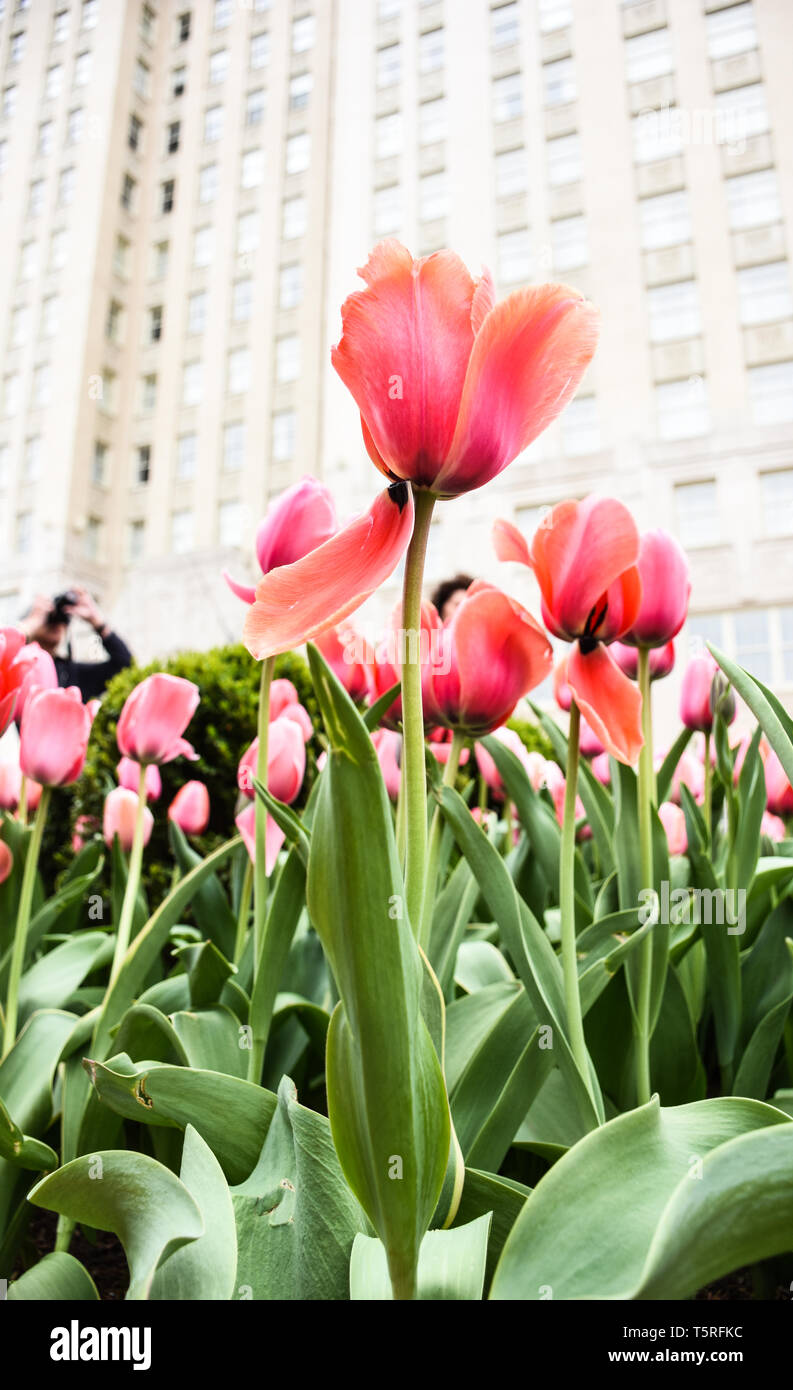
282 694
54 736
11 788
491 653
274 836
83 827
22 669
674 823
601 767
128 774
190 808
779 792
558 790
696 703
120 814
154 718
588 741
662 660
562 693
298 521
6 861
487 767
348 657
388 746
690 773
773 827
666 587
440 741
286 761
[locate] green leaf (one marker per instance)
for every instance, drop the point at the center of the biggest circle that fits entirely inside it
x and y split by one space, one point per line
132 1195
597 802
55 976
207 972
210 905
283 914
211 1038
503 1198
668 767
20 1149
205 1268
766 708
57 1277
451 1265
381 706
659 1175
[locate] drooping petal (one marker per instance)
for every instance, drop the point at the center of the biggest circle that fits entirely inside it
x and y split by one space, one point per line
246 592
527 361
610 702
297 601
510 544
578 552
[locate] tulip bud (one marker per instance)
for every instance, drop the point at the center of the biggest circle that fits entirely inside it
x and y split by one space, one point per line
722 697
6 861
190 808
54 736
663 570
154 718
120 815
128 774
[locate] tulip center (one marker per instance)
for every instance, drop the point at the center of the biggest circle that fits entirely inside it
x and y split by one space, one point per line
398 492
589 639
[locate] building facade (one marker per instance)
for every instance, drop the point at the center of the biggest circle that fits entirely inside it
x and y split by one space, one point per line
186 192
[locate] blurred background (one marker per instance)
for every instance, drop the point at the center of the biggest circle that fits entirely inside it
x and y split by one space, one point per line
187 189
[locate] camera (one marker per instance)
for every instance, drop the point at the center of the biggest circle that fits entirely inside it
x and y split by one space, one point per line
60 604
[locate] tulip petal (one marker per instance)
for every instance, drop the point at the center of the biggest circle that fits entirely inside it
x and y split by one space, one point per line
527 361
297 601
610 703
244 591
509 543
581 549
500 653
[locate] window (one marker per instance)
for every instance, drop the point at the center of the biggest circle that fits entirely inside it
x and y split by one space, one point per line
674 312
555 14
58 249
764 292
290 286
300 88
696 507
159 260
254 107
50 316
431 50
148 393
682 409
433 196
771 393
389 65
388 9
218 66
665 220
42 385
20 319
247 232
136 540
142 78
559 82
580 426
92 538
186 454
191 383
295 219
753 643
66 187
178 81
504 26
172 137
776 490
23 539
287 358
155 323
512 172
16 47
741 113
11 393
432 121
564 160
183 27
10 102
128 187
36 198
233 446
388 135
28 260
569 242
99 463
786 645
298 153
60 27
730 31
260 50
657 135
213 124
753 199
121 256
32 460
230 515
203 246
648 56
113 321
242 301
252 168
387 210
74 126
182 531
208 183
133 134
303 33
167 190
514 256
90 14
197 312
82 70
222 14
284 433
239 371
507 97
147 18
108 392
45 137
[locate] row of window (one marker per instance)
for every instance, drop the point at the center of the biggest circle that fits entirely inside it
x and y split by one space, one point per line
89 17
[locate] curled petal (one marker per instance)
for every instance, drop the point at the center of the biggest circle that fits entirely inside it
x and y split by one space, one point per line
509 544
244 591
610 702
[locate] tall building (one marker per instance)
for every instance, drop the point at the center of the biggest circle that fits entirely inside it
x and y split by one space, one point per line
188 188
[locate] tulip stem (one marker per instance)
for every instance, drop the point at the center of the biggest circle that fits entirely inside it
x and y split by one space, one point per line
243 912
260 885
22 808
436 834
414 766
708 783
646 796
575 1020
23 922
133 882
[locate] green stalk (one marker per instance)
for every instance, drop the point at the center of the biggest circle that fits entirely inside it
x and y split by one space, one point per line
413 756
708 781
23 922
133 880
22 808
646 798
260 885
436 835
243 912
575 1020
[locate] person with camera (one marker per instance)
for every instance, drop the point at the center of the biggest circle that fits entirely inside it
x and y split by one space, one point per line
47 622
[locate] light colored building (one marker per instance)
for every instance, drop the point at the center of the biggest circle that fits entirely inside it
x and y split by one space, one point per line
188 188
